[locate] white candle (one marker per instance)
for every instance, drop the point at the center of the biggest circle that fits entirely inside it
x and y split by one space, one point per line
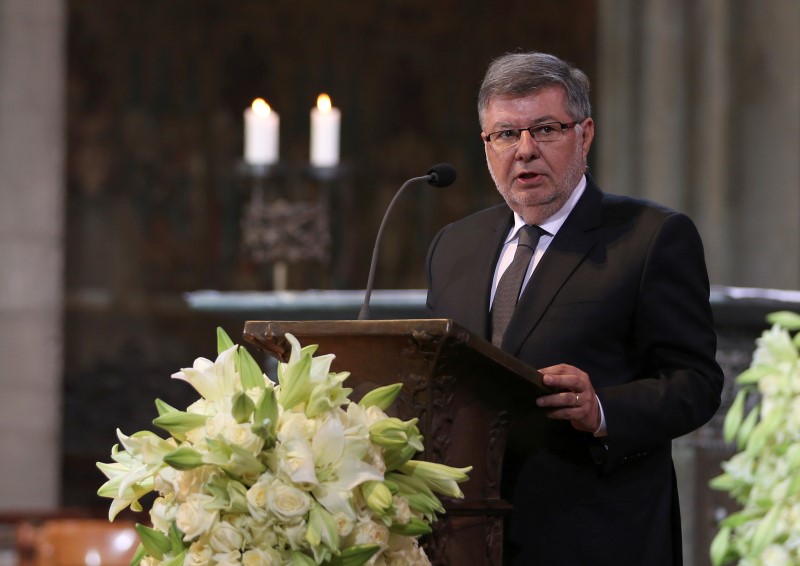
261 126
325 124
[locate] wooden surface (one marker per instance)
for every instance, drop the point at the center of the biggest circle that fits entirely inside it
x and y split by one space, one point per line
465 392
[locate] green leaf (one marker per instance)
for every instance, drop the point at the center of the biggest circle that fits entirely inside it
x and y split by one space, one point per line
176 539
764 430
787 319
719 546
737 519
300 559
355 555
223 340
139 555
765 531
249 370
723 482
752 375
415 527
734 417
747 427
163 408
155 542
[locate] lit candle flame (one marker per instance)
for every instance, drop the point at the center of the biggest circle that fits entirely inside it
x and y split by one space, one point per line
261 108
324 103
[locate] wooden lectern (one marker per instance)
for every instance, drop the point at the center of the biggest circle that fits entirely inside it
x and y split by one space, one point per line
465 392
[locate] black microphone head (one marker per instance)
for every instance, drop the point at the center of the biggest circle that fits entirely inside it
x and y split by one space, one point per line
442 175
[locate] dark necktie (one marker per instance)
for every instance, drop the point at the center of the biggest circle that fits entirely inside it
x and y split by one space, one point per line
510 285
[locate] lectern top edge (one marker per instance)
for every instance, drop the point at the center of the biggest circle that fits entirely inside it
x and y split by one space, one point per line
309 332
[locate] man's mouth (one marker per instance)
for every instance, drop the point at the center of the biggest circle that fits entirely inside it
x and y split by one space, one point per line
528 176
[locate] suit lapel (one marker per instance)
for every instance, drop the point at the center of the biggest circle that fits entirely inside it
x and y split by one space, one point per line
570 245
486 259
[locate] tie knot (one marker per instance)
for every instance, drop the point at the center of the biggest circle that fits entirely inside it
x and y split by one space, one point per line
529 236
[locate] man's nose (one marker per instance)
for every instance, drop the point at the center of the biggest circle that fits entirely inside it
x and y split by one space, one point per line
527 147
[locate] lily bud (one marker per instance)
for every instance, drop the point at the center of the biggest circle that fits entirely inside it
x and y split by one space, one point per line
322 531
223 340
395 458
184 458
415 527
377 496
250 372
266 413
180 422
389 433
440 478
382 397
242 408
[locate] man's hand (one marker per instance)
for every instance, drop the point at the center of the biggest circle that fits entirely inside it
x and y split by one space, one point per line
575 402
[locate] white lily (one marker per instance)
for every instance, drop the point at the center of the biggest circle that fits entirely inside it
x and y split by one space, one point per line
216 381
330 466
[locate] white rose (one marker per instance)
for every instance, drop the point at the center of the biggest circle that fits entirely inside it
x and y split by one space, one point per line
287 503
216 425
191 481
193 519
776 555
344 524
257 499
232 558
402 512
296 424
261 557
199 555
163 512
225 537
405 551
295 534
368 531
164 480
262 536
242 436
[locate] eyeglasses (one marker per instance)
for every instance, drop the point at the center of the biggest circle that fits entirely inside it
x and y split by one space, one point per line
549 132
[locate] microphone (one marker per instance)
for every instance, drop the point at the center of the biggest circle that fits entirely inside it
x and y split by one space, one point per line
439 175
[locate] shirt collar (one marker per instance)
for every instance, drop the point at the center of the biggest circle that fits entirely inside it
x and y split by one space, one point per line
554 223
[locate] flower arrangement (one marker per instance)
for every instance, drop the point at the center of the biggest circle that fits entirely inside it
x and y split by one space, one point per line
764 475
255 473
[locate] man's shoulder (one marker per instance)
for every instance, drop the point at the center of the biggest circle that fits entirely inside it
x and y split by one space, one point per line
488 217
628 206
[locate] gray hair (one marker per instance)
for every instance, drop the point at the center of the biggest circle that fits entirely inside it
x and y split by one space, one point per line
520 74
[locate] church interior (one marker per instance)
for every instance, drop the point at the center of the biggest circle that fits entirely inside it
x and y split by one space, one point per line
130 217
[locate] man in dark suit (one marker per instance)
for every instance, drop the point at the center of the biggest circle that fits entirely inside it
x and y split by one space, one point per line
613 310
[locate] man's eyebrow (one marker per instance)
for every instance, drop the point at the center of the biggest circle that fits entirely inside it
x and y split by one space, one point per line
546 119
509 126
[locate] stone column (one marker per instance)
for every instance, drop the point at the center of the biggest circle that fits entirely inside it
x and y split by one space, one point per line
698 107
32 54
765 137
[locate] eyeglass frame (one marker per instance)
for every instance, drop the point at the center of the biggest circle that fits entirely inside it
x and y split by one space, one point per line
563 127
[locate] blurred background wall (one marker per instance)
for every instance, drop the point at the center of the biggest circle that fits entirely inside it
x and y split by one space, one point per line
121 185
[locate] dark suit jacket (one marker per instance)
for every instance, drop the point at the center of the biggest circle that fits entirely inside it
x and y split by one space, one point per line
621 293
